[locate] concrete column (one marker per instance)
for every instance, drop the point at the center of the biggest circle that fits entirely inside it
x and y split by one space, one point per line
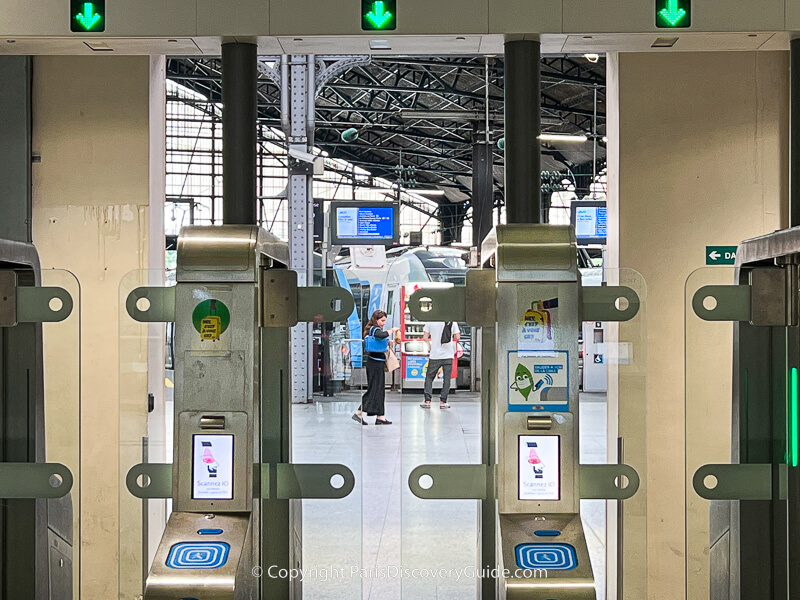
523 153
239 111
698 155
15 148
91 215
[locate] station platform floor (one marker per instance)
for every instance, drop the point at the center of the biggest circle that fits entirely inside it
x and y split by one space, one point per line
382 542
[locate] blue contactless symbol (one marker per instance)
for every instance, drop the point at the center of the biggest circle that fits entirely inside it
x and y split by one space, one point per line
198 555
555 557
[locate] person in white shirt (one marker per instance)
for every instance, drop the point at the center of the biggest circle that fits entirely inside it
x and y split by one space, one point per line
442 339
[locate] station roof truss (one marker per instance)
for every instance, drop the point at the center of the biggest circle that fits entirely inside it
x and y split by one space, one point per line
417 117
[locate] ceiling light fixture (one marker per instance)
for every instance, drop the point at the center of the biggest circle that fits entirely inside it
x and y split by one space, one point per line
563 137
427 192
443 115
592 58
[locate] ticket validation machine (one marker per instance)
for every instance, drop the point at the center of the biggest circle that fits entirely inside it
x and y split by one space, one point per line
38 534
743 528
529 302
233 487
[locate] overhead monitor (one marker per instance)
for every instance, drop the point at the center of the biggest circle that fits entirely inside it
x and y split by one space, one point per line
589 219
539 467
365 223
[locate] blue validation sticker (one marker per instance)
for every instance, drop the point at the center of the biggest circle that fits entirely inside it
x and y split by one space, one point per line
198 555
555 557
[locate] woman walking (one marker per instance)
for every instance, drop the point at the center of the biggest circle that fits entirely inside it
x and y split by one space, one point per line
373 401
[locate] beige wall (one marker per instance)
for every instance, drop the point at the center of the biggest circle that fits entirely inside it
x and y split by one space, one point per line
90 205
702 158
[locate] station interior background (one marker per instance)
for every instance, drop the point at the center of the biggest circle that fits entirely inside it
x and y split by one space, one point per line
663 166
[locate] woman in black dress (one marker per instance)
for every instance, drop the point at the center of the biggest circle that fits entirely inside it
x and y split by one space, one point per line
373 401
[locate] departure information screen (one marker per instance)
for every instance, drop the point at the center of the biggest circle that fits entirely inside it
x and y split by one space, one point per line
368 223
355 223
539 467
590 222
212 467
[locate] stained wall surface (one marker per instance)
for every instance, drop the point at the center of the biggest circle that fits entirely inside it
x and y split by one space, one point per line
698 155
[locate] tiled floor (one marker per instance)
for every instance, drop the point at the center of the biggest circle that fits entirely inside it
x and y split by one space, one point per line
407 547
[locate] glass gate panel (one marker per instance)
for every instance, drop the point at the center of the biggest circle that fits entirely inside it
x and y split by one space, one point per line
713 457
61 343
146 362
326 430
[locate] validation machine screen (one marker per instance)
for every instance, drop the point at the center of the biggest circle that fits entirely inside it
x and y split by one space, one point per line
539 467
212 467
365 223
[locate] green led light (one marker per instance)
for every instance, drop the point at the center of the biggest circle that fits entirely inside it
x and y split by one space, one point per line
794 418
673 13
378 15
87 16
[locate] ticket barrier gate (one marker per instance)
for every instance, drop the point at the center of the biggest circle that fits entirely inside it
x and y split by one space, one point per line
529 303
754 511
235 492
37 527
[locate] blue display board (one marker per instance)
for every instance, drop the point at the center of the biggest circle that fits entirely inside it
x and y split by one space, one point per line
590 220
354 223
415 367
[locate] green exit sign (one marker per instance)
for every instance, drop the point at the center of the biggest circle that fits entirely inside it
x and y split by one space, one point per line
721 255
673 13
378 15
87 16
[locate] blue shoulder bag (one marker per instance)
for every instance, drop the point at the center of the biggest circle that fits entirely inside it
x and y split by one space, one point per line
373 344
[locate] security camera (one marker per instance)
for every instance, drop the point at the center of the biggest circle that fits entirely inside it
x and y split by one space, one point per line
318 162
302 156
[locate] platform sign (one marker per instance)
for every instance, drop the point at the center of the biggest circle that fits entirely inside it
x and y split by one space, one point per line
720 255
672 14
378 15
87 17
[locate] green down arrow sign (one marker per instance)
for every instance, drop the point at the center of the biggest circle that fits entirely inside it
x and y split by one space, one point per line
673 13
378 15
87 16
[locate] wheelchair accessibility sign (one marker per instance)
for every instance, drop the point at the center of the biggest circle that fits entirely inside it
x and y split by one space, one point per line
538 381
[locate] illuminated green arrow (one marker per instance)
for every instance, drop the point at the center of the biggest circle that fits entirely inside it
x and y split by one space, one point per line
377 16
672 14
88 18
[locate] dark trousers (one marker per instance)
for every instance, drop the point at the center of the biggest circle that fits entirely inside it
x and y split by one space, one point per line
373 401
446 365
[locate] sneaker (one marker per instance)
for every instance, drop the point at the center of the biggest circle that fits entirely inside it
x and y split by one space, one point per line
426 404
358 419
444 404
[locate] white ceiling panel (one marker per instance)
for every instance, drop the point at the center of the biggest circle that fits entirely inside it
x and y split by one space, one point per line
126 46
398 44
643 42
